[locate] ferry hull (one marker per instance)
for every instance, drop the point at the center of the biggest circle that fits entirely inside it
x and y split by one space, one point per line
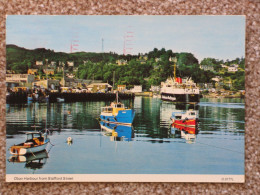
180 97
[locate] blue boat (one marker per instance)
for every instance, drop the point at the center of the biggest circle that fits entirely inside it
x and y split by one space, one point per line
117 114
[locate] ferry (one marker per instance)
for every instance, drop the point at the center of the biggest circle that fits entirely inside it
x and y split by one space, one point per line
189 118
35 142
117 114
179 90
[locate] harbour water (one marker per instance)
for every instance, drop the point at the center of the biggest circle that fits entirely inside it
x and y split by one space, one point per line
150 147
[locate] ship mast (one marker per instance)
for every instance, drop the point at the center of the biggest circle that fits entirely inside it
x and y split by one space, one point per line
174 64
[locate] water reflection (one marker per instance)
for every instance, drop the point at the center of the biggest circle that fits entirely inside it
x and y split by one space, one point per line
153 137
184 132
32 161
118 132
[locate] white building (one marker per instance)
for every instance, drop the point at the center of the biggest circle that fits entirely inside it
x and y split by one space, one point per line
155 88
22 78
70 63
39 63
137 89
232 69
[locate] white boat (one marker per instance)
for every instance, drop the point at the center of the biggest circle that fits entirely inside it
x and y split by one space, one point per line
35 142
177 89
60 100
188 118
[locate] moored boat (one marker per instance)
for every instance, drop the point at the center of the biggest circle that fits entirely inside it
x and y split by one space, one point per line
177 89
117 114
188 118
35 142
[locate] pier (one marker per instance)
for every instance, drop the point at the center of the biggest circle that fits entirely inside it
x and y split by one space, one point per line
21 97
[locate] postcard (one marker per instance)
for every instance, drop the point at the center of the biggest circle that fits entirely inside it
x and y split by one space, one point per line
125 98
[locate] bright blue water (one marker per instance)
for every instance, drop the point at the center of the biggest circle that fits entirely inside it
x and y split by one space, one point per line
153 148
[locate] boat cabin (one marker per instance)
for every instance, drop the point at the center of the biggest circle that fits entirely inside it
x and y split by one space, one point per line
190 114
113 108
36 137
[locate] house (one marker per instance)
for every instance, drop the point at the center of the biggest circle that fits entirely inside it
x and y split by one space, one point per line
70 63
232 69
39 63
217 79
235 65
121 62
207 67
48 84
71 82
21 78
157 59
121 87
32 71
155 88
137 89
223 66
61 63
49 71
53 63
99 87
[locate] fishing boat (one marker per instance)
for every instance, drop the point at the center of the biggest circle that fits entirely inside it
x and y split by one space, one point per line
177 89
188 118
116 113
35 142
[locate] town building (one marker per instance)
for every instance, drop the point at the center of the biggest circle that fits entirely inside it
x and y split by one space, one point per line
32 71
49 71
232 69
48 84
21 78
121 62
73 83
39 63
207 67
137 89
70 63
223 66
155 88
99 87
121 88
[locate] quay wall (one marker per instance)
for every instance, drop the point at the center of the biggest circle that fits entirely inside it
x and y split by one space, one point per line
21 97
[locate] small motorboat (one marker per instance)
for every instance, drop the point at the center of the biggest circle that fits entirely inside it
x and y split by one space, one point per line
35 142
117 114
60 100
188 118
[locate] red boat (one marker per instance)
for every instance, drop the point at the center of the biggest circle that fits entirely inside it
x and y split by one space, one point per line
187 119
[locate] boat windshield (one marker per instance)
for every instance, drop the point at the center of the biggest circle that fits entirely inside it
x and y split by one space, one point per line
33 135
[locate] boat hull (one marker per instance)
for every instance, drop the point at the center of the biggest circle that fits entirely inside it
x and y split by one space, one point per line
14 150
180 97
124 117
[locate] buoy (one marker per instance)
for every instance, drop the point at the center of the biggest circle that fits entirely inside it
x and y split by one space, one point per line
69 139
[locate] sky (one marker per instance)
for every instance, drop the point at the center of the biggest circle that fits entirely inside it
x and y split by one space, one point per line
220 37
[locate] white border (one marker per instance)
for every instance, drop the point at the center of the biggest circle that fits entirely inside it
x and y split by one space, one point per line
124 178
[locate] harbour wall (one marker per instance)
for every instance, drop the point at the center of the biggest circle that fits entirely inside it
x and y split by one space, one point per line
21 97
